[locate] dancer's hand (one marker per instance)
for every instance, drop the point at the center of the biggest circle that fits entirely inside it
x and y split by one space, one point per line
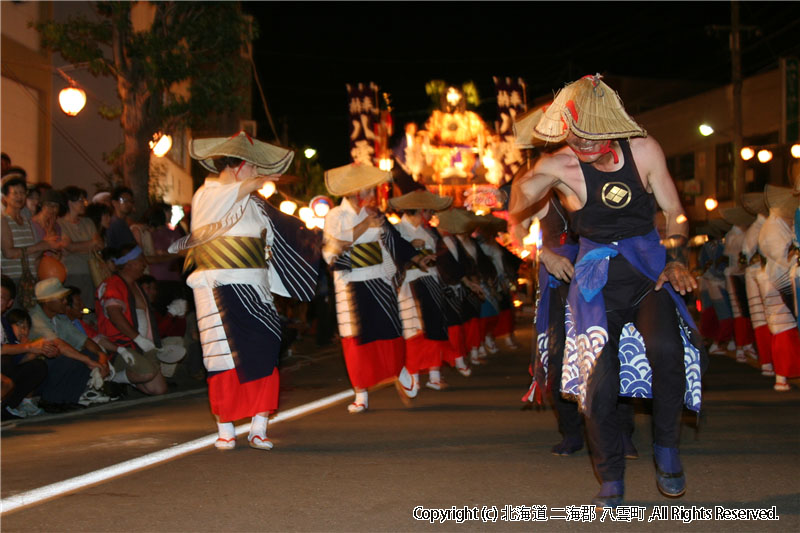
558 265
677 275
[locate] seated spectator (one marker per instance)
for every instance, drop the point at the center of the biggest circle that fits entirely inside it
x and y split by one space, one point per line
6 162
171 322
119 232
23 369
68 374
75 312
84 241
127 320
17 233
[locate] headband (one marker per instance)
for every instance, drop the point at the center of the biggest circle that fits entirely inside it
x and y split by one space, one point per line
130 256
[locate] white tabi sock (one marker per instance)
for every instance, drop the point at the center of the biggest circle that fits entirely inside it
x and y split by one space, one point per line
258 427
361 397
460 362
226 430
434 376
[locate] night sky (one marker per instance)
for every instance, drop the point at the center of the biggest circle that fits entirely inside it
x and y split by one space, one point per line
306 52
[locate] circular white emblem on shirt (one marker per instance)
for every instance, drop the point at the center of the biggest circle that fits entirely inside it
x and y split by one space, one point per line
616 194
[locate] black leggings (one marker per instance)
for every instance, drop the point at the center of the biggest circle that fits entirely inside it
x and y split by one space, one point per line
26 377
656 320
570 421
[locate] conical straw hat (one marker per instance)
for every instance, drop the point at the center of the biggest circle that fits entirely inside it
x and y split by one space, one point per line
781 200
755 203
349 179
523 128
719 226
737 216
456 221
421 199
269 159
591 110
491 222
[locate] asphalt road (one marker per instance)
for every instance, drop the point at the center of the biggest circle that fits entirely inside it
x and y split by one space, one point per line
470 446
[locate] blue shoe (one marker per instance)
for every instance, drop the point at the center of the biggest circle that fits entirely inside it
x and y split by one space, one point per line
669 472
611 494
568 446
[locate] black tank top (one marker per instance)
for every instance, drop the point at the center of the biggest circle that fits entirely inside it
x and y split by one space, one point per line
617 206
555 225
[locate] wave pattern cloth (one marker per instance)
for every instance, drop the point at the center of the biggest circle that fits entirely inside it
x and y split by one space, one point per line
586 329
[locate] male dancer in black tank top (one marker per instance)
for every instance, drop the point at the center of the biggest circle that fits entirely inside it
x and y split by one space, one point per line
612 183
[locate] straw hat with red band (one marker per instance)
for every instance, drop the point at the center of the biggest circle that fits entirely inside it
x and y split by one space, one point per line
737 216
268 158
591 110
782 201
349 179
755 203
421 199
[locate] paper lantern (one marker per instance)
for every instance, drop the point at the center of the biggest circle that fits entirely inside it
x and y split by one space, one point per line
72 100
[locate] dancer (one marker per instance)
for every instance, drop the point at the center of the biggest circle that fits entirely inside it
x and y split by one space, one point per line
366 254
242 250
774 241
612 177
456 226
420 297
456 285
506 265
740 220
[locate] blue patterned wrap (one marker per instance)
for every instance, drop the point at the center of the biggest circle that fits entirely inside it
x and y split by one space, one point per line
586 326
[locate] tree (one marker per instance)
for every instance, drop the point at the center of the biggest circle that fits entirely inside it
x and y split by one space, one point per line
176 65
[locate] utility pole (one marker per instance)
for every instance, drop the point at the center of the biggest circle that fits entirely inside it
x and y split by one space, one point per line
736 79
735 43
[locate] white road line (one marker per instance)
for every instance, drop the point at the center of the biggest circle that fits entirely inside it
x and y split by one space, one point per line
104 474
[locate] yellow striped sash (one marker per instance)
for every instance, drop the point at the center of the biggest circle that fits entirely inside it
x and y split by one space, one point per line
366 254
423 252
227 252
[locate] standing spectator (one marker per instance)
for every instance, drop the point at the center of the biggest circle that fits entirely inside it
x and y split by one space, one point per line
6 162
100 215
164 267
119 232
17 233
33 202
67 374
84 240
102 197
45 222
